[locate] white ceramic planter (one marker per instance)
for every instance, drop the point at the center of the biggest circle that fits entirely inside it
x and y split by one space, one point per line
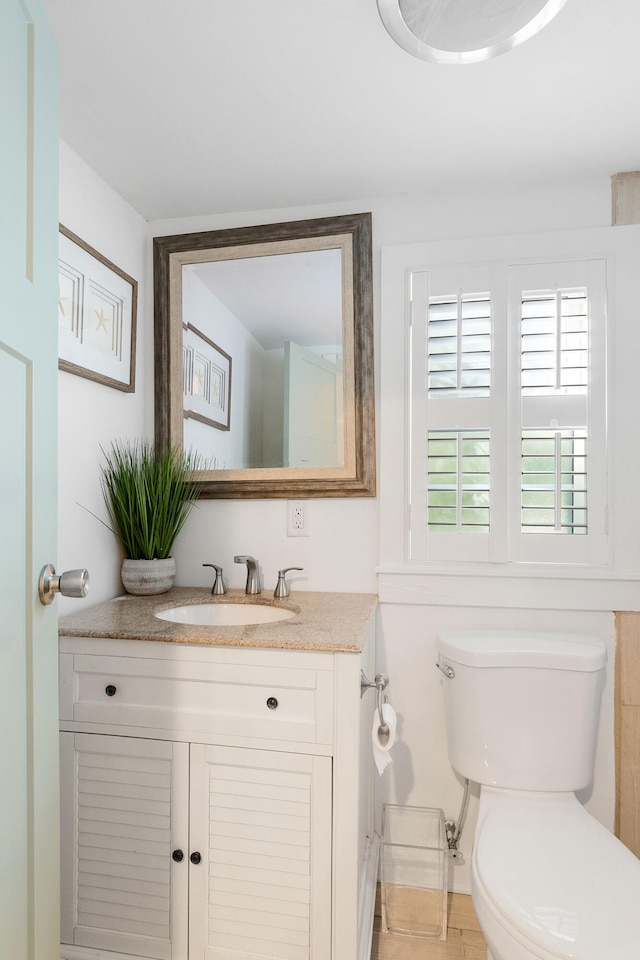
148 577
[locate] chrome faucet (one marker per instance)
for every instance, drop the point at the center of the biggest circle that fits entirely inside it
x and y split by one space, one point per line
253 579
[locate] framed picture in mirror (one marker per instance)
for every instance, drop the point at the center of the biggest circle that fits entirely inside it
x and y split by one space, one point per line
207 379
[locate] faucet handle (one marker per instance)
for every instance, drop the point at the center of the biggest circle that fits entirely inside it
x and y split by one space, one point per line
282 590
218 588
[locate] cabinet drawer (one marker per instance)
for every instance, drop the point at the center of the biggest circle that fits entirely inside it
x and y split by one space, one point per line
231 699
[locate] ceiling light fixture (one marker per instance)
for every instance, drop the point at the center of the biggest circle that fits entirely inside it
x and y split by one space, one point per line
464 31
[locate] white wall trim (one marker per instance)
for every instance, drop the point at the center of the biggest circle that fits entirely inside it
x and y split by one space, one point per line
508 591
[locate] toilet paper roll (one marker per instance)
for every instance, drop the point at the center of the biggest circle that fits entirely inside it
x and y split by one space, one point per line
382 743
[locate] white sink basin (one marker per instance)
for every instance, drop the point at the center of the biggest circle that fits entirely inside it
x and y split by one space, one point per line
224 614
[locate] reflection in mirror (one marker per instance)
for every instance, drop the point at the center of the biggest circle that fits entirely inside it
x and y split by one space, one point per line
264 356
277 319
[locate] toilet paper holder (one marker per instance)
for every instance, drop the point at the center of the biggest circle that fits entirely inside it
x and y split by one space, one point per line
380 684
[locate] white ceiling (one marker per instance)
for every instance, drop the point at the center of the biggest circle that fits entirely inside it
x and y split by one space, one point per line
192 107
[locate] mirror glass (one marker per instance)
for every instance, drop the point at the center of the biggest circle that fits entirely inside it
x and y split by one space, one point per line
264 356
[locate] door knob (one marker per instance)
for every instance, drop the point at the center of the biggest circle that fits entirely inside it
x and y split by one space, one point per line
71 583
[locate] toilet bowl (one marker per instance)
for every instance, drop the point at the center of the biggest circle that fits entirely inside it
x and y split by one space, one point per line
548 881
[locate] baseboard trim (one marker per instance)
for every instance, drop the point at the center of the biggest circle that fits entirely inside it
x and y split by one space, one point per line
367 897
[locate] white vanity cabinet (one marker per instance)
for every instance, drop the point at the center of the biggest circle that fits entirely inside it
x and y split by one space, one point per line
216 802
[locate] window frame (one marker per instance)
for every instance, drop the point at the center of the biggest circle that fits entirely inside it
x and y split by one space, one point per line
496 581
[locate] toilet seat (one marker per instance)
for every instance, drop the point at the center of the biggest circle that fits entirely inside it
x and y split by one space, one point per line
556 880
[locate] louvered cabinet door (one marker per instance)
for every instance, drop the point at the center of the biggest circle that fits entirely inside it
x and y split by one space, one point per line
124 813
261 824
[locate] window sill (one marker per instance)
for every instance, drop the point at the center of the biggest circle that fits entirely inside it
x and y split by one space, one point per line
521 586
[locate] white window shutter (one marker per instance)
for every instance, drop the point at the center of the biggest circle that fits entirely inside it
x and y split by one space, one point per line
508 445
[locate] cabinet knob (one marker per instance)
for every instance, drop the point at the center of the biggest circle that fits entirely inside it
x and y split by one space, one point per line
195 857
110 690
272 703
178 856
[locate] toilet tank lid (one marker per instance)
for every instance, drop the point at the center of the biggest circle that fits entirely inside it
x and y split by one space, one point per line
523 648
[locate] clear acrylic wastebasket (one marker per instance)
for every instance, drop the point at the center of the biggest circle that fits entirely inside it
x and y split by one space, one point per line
415 864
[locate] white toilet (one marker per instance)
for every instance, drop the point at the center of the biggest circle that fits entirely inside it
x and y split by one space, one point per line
548 881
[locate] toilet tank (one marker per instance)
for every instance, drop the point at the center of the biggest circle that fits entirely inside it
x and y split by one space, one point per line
522 708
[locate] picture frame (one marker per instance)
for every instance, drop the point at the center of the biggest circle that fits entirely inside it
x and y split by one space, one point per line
97 314
206 379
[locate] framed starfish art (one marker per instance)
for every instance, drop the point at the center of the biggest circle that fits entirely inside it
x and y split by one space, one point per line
97 304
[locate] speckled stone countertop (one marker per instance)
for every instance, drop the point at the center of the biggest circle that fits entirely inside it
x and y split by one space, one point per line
333 622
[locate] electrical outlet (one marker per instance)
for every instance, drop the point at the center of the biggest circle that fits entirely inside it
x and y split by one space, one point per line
297 518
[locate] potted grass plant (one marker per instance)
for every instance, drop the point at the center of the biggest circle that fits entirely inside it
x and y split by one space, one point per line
148 495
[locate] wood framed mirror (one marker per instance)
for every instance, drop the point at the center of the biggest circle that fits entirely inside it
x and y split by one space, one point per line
264 357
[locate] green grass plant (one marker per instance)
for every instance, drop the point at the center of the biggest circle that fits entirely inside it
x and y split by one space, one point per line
149 495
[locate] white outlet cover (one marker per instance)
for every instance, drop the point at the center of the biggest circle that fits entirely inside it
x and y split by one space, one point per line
297 518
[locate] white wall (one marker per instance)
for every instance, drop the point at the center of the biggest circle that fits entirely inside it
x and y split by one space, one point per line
342 551
235 447
91 414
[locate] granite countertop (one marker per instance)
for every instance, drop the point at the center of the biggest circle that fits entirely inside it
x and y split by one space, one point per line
333 622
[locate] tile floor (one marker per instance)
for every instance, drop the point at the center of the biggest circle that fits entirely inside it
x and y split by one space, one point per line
464 938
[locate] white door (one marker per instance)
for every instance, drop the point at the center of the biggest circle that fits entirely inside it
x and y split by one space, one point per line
313 417
28 464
